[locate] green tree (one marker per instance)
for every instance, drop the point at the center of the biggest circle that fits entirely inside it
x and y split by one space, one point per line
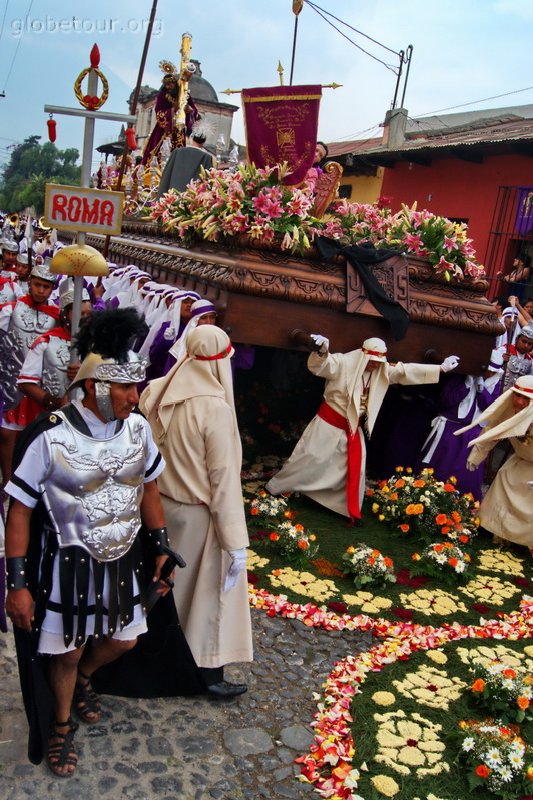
32 165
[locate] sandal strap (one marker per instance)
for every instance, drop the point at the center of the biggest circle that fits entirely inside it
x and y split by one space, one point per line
86 701
62 750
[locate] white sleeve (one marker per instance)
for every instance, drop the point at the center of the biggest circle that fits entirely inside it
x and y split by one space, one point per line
327 366
155 463
5 316
32 368
28 479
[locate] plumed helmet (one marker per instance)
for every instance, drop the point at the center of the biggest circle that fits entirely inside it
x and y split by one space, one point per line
104 343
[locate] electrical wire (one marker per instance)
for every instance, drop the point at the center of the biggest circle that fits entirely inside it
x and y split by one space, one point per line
355 30
419 123
353 136
390 67
3 20
473 102
17 47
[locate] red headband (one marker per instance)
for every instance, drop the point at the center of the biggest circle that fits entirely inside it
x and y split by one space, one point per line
523 388
223 354
374 352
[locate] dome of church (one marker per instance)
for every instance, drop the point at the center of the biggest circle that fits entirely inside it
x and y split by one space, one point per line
199 88
146 93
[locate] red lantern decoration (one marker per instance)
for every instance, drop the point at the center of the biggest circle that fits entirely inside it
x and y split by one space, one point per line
51 128
130 138
95 56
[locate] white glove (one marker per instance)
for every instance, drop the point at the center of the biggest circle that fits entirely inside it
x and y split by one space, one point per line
237 565
471 467
321 341
449 363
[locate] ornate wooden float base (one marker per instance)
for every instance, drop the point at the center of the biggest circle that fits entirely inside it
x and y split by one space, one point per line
262 296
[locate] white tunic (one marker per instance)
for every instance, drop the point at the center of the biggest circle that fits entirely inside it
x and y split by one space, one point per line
318 464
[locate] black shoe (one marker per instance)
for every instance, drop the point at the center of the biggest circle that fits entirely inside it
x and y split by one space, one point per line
225 690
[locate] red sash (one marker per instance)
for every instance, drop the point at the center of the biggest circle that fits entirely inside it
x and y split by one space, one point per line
52 311
353 470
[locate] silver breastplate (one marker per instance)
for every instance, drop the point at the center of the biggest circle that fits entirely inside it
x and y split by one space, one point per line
94 487
25 325
516 367
7 293
56 359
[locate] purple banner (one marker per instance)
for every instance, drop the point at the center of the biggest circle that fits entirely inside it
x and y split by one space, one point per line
281 125
524 215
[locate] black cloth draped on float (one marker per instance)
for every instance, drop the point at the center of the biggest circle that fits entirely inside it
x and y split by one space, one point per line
362 257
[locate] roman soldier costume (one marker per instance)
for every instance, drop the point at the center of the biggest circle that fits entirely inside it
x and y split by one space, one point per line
83 476
26 321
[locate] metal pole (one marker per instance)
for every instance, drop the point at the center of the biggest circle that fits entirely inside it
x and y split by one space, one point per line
409 55
78 112
86 163
294 47
133 108
400 68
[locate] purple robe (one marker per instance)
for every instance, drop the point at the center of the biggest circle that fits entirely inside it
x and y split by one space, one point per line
158 354
165 127
451 453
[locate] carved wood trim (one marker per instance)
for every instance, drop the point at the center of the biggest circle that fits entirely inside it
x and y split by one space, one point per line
331 285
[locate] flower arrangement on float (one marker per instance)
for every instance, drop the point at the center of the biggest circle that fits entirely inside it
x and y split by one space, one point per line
223 204
444 243
368 566
252 203
498 760
503 692
443 560
421 505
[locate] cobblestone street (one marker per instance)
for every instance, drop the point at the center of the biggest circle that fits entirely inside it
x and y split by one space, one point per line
189 748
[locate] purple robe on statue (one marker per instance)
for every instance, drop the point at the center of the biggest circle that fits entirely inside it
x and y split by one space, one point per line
165 128
459 401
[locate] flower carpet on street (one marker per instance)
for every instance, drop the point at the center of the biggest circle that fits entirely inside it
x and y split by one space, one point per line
452 659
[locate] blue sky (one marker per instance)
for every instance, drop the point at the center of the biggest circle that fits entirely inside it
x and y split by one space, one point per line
464 50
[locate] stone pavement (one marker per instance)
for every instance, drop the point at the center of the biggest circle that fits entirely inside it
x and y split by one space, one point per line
190 748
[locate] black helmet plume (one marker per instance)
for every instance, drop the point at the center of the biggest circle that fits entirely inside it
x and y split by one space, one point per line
110 333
